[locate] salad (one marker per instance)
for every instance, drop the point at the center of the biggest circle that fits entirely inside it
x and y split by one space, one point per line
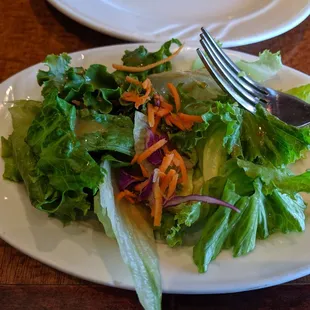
158 155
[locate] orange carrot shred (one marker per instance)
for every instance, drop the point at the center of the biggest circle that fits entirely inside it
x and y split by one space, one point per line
139 187
129 193
172 186
165 182
156 123
150 115
158 204
166 105
166 150
182 166
145 173
168 120
176 162
166 162
176 121
120 196
148 152
134 160
175 95
190 118
130 199
132 80
162 112
147 67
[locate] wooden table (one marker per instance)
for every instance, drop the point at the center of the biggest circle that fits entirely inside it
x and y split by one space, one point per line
31 29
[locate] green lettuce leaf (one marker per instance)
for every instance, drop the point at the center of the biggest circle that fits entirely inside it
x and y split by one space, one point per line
94 87
134 234
55 77
101 211
216 230
302 92
62 159
142 57
265 138
264 68
105 132
42 195
185 215
274 178
267 66
10 169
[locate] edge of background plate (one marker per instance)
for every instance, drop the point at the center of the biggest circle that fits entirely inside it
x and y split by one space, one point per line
115 32
266 282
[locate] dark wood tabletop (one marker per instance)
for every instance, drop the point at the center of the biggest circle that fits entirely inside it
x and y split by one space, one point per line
31 29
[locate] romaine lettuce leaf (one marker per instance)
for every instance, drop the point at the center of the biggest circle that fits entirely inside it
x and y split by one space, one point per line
216 230
134 234
302 92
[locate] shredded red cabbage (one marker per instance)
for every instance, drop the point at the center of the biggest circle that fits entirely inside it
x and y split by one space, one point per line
125 180
176 200
147 190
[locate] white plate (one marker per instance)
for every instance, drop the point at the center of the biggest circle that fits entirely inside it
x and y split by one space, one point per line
233 22
84 251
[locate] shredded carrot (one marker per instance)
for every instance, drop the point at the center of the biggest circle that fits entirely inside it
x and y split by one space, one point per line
130 199
163 112
139 187
182 166
166 150
172 186
187 124
132 80
175 95
125 194
134 160
145 173
158 204
134 97
166 180
156 123
166 105
150 115
148 67
168 120
190 118
120 196
174 119
176 162
147 84
166 162
148 152
129 193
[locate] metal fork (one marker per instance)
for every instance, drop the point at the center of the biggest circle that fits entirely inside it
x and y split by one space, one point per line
247 92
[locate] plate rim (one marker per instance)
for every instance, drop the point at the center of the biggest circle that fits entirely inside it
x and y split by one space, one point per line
263 283
295 20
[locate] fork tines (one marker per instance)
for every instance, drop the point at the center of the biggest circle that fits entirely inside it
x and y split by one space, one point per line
244 90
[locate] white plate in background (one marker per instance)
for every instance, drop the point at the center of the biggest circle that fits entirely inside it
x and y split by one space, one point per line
233 22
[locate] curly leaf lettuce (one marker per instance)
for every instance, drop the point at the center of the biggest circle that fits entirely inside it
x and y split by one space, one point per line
105 132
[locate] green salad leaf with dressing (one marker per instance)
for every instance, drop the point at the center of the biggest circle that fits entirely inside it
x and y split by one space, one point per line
158 154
